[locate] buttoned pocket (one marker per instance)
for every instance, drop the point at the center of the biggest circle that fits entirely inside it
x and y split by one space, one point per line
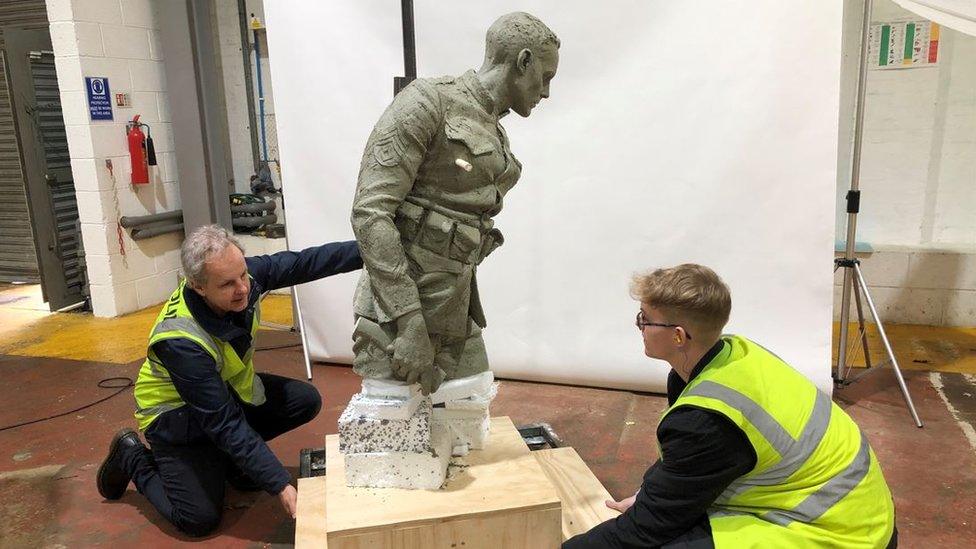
408 219
466 240
461 129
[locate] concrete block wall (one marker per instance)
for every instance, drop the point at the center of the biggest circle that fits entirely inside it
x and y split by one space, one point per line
918 167
918 177
117 39
912 286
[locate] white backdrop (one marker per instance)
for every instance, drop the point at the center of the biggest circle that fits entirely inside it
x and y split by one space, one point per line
676 132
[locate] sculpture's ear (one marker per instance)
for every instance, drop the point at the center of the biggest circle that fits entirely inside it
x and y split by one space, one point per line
523 60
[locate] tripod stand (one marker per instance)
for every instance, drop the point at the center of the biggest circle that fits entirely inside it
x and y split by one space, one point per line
853 278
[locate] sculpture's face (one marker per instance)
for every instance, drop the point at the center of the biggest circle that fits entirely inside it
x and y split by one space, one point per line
227 285
531 85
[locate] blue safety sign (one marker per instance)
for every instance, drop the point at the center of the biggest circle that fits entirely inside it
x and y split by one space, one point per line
99 98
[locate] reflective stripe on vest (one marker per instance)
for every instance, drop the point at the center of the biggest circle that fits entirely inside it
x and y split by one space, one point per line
817 503
191 327
155 392
815 481
794 453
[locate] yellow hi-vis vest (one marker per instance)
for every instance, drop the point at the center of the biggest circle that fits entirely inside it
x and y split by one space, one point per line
816 482
155 392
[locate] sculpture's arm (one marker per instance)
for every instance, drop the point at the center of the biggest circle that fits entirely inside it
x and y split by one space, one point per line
394 152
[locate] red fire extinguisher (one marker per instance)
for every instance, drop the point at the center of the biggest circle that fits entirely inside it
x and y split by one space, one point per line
141 151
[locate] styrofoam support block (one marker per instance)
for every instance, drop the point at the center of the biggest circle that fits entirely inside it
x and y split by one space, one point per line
389 388
362 434
410 470
463 387
383 408
474 402
466 427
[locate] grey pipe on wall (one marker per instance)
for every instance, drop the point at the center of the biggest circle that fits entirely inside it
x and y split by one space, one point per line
135 221
140 234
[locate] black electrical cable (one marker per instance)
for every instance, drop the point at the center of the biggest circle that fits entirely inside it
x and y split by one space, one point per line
273 347
105 384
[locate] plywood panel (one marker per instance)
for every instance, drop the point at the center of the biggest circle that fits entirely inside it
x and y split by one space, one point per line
511 530
310 517
582 494
502 486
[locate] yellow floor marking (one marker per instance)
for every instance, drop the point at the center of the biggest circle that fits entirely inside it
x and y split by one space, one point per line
277 309
80 336
927 348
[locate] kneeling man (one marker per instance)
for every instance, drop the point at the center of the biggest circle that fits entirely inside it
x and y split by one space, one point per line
204 411
752 453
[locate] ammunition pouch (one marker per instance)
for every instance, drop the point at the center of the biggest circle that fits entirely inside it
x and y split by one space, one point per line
450 235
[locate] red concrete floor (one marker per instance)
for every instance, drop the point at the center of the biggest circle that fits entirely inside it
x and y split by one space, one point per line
47 469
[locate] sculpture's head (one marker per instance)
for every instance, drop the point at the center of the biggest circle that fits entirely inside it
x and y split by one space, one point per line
528 52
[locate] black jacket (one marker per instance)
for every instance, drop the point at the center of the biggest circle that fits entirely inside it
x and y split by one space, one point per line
214 411
705 453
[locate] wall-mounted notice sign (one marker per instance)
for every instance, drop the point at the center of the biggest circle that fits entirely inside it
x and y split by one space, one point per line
99 98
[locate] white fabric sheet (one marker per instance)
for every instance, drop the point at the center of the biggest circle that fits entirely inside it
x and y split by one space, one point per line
676 132
958 15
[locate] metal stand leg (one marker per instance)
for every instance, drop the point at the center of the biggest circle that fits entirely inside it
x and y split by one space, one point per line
884 338
299 327
301 330
862 328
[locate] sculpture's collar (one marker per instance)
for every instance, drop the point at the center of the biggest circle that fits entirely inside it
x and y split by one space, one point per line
470 80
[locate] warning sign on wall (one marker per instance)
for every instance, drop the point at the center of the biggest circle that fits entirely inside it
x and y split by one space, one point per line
99 98
903 45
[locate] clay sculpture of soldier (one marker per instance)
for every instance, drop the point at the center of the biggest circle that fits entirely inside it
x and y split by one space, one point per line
434 174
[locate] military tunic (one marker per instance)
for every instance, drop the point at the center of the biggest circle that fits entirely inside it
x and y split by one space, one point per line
433 175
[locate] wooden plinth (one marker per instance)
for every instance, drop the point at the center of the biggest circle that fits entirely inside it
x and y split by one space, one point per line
505 498
502 498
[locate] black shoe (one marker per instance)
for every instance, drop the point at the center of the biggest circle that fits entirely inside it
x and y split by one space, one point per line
112 479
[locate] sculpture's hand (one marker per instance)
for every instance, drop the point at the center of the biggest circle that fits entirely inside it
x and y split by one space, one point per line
413 354
431 379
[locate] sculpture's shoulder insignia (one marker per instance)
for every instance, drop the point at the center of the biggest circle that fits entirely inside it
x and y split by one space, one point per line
388 148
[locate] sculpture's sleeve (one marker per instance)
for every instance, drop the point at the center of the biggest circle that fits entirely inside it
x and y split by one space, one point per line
394 152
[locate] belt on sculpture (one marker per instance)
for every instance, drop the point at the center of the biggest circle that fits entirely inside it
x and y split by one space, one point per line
463 237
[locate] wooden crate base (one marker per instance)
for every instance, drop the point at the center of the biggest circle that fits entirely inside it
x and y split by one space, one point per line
482 506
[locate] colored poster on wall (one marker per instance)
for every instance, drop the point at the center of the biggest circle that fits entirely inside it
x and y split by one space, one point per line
903 45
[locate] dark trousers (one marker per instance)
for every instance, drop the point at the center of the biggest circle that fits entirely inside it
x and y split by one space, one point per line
185 482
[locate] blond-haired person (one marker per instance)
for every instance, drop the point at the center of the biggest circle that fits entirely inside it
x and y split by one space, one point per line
752 453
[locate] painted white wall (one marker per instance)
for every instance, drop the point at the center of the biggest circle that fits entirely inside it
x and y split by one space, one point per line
918 176
676 131
117 39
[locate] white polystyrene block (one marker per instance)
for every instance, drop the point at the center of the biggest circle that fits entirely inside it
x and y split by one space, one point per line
383 408
448 414
474 402
463 387
390 388
362 434
409 470
472 431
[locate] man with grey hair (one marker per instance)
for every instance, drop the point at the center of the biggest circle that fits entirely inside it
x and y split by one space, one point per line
433 176
204 411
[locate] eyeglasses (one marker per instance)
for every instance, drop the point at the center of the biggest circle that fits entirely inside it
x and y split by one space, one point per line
642 321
